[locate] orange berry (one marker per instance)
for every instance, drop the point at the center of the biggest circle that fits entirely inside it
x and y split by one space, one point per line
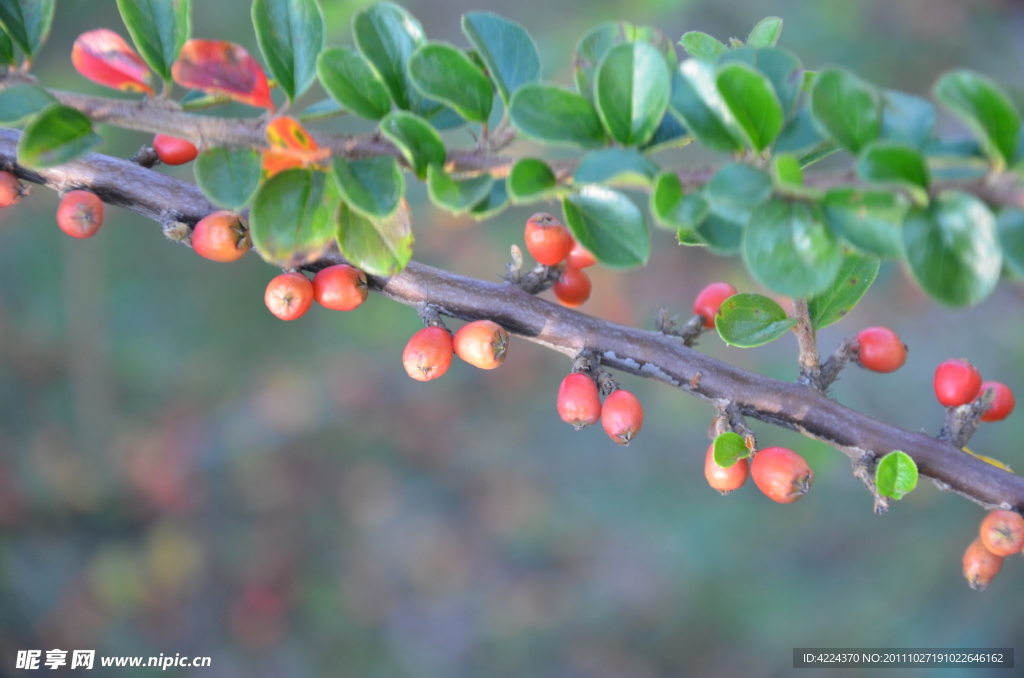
957 382
980 565
722 478
428 354
547 239
289 295
80 214
481 343
622 416
573 287
1002 532
1002 404
174 151
783 475
340 287
578 401
709 299
579 257
880 349
221 236
11 190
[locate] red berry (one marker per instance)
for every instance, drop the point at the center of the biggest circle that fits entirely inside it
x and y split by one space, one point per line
980 565
340 287
428 354
725 479
957 382
11 190
573 287
482 343
1002 532
547 239
221 236
622 416
880 349
174 151
578 401
80 214
1002 404
580 257
289 295
710 298
783 475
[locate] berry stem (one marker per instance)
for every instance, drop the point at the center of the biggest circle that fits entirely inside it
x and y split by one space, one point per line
689 332
962 422
830 369
810 370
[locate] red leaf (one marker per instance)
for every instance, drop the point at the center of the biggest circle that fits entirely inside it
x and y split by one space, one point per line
103 56
222 67
291 146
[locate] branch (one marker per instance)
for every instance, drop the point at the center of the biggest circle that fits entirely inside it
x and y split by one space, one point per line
648 354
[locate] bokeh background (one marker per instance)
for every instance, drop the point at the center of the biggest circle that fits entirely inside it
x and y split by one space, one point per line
180 472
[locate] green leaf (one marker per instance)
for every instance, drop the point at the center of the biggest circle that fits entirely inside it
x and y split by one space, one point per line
505 48
789 250
799 134
419 143
496 201
18 102
598 41
895 475
159 28
670 134
531 180
609 225
351 82
57 135
377 246
675 209
229 177
729 448
292 217
751 98
766 33
848 109
454 195
387 35
632 90
1011 237
907 118
783 70
554 115
697 101
702 46
291 35
619 166
953 249
786 170
869 219
732 195
322 110
27 22
371 186
985 109
446 74
749 320
896 164
6 49
855 277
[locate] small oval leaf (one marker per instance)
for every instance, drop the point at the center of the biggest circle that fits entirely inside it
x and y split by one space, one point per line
290 34
869 219
420 144
351 82
377 246
530 180
505 48
229 177
766 33
372 186
595 44
987 111
847 108
620 166
159 28
221 67
293 216
896 164
55 136
855 277
27 22
387 35
456 196
609 225
446 74
895 475
631 91
749 320
702 46
699 104
103 56
729 448
673 208
18 102
751 98
557 116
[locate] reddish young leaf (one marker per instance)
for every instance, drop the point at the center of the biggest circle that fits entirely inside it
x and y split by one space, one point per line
291 146
222 67
103 56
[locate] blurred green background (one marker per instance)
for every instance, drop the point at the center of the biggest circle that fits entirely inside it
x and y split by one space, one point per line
180 472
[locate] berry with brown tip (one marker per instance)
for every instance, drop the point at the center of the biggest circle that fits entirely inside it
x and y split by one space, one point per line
580 257
622 416
174 151
481 343
1002 532
428 354
578 401
11 190
80 214
547 239
957 382
880 349
980 565
221 236
783 475
289 295
340 287
573 287
722 478
710 299
1003 401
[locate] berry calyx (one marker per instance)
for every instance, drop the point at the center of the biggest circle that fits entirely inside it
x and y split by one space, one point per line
1002 404
622 416
80 214
880 349
547 239
11 190
573 287
725 479
783 475
980 565
221 236
710 299
340 287
289 295
174 151
578 401
957 382
580 257
1002 532
481 343
428 354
